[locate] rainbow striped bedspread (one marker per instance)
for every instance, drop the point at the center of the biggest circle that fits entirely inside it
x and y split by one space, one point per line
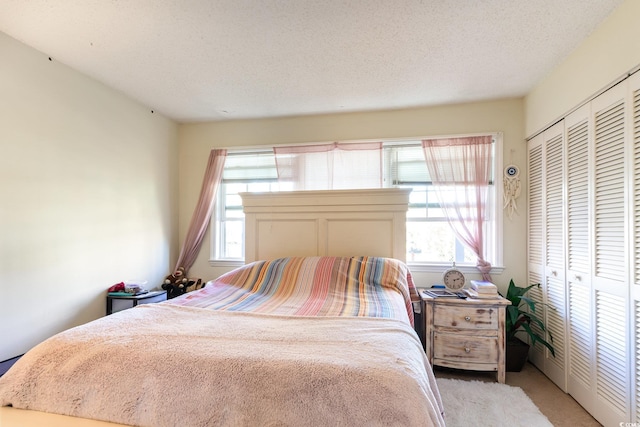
312 286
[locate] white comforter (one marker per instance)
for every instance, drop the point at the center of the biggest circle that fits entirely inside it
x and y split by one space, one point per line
165 365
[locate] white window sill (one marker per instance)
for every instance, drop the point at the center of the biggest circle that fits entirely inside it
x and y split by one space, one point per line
441 267
226 263
415 267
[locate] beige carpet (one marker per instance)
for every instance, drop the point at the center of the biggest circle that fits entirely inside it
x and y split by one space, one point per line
560 408
479 403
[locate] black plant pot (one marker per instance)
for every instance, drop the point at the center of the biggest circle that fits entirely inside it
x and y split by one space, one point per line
517 352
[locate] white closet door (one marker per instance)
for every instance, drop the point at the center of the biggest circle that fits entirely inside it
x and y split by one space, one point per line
610 259
634 106
586 236
552 292
580 353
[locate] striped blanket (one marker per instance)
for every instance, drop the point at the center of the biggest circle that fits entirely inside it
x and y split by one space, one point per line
312 286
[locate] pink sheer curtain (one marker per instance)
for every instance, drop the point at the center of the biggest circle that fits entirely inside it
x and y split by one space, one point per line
202 214
460 169
330 166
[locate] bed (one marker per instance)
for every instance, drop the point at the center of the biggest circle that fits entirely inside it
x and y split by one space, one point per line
319 339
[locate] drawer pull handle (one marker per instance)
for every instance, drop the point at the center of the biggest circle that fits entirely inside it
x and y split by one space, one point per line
467 318
467 350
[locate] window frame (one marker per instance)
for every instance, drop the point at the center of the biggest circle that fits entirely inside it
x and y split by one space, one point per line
416 266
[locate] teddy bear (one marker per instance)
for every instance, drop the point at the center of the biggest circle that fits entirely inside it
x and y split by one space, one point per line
177 284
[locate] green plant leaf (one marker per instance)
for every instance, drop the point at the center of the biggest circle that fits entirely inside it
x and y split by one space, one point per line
537 338
522 313
531 304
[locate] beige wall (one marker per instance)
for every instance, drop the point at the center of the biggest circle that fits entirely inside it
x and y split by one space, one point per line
607 55
496 116
88 196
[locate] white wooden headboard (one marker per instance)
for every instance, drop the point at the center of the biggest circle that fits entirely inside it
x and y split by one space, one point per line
318 223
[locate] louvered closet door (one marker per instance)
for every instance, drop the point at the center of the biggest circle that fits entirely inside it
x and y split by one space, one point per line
634 96
552 291
535 220
580 351
610 260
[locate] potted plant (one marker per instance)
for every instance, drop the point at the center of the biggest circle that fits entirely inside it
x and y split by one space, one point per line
519 317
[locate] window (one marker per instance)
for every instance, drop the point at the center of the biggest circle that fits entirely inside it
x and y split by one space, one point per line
430 240
429 237
243 172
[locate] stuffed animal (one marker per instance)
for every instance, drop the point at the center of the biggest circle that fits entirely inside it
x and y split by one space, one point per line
177 284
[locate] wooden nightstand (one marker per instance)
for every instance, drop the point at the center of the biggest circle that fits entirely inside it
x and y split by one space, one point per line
466 333
119 303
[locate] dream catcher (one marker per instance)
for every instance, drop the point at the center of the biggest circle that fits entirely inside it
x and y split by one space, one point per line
511 182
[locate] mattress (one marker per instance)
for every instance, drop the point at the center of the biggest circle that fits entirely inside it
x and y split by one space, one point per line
294 341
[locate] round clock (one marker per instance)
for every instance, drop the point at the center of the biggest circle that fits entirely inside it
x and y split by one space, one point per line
453 278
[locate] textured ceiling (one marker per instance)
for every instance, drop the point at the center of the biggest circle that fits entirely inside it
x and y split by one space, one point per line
196 60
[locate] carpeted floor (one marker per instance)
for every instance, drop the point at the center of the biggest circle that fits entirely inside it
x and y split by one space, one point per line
557 406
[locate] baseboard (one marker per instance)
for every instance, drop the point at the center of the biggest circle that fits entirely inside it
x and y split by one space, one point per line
4 366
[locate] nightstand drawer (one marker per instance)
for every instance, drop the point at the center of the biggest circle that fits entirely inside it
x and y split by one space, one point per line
461 348
466 317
